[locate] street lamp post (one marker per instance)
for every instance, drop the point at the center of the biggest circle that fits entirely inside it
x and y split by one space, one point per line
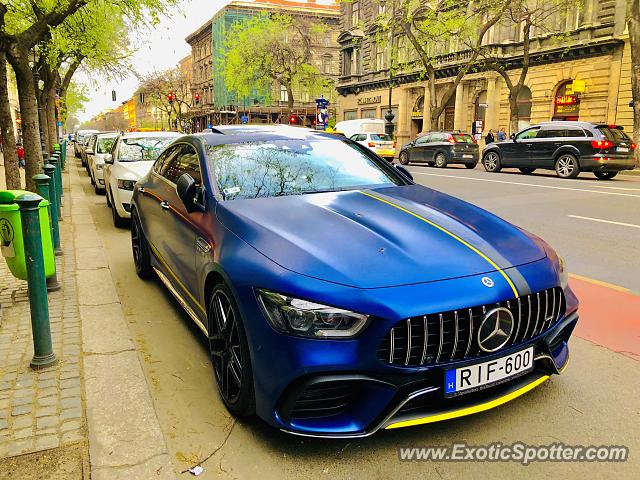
41 115
388 126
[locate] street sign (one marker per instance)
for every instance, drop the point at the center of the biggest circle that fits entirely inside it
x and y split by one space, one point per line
59 123
322 102
244 119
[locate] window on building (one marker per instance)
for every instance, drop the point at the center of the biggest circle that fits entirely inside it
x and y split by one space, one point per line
326 64
284 95
355 13
327 40
524 108
380 57
350 114
566 103
369 113
382 7
357 61
403 51
347 60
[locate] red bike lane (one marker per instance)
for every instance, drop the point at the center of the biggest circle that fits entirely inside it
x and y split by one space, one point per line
609 316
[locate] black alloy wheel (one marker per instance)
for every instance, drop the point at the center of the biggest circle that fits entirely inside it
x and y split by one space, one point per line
491 162
140 250
567 166
605 175
404 158
441 160
230 353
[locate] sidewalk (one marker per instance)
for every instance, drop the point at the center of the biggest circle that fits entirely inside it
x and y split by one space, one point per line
91 414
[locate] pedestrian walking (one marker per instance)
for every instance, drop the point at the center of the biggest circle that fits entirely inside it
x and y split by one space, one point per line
20 152
502 135
489 138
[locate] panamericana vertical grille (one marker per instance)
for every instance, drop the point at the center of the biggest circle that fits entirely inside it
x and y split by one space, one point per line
447 336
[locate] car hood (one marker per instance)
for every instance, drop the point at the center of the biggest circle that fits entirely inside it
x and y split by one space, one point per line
133 170
405 235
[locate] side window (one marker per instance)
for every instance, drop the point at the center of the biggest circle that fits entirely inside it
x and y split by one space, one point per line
551 133
163 161
437 137
575 133
423 140
528 134
362 137
354 137
185 160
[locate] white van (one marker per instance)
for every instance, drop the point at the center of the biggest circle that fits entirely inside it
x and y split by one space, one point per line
365 125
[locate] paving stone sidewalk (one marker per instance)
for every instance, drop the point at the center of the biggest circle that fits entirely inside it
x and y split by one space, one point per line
41 410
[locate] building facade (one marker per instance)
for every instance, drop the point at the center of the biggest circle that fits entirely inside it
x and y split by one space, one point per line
202 76
579 72
222 106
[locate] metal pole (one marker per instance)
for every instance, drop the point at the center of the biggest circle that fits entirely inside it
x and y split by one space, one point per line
43 355
52 197
42 187
58 185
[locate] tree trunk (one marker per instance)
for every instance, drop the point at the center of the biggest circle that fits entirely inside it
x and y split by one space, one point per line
514 118
289 98
633 19
50 112
28 114
11 169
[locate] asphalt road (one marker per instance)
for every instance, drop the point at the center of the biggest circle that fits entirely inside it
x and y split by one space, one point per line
595 401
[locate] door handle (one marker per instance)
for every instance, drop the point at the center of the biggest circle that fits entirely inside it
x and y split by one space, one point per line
164 205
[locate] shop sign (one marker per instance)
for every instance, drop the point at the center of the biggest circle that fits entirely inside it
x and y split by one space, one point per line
578 86
416 114
566 100
370 100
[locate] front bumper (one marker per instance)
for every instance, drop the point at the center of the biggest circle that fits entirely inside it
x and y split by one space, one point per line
402 400
122 202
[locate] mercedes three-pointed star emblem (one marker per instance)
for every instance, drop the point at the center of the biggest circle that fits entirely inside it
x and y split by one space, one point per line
495 330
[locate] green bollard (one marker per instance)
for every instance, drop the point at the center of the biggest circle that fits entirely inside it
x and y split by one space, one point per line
42 187
64 154
58 184
58 166
43 355
49 170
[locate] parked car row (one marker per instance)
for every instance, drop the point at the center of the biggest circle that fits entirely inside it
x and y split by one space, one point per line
566 147
116 161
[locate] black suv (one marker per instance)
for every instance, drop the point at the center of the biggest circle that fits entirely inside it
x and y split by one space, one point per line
566 147
440 149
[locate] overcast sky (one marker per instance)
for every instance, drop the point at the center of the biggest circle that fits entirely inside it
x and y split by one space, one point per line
160 48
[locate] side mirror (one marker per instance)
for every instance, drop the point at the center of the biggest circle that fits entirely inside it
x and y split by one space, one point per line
513 137
186 188
108 158
403 171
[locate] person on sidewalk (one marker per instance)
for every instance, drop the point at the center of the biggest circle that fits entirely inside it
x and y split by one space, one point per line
502 135
20 152
489 138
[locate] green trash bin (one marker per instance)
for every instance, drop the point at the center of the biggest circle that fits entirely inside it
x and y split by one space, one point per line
11 242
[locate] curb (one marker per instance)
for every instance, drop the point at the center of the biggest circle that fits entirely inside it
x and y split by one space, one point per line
125 438
635 171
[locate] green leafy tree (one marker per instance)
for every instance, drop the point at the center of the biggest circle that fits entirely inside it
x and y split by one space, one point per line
272 49
433 30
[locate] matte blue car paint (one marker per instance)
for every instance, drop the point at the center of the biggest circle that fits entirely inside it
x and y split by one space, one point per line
347 250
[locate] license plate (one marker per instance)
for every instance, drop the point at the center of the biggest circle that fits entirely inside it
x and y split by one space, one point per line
467 156
623 149
384 152
482 375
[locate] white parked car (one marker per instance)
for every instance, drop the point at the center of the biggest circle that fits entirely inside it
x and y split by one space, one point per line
379 143
132 157
99 146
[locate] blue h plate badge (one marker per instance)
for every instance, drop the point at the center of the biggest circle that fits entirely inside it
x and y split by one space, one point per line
450 381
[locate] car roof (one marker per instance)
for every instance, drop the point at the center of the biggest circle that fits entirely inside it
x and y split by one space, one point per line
572 123
225 134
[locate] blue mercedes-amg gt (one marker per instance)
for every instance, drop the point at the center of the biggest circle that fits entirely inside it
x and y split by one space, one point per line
339 297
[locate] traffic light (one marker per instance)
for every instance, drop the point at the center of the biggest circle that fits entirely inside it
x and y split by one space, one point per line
170 97
197 98
293 120
113 95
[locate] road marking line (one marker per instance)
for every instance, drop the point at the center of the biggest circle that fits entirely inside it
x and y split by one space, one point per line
530 184
600 220
453 235
616 188
599 282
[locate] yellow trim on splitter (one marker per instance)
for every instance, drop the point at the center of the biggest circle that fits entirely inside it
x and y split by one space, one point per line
471 410
452 235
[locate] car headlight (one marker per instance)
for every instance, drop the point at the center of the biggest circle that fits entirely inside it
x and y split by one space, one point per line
564 273
308 319
126 184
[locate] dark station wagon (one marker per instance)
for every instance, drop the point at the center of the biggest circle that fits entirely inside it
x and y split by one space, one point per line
566 147
441 149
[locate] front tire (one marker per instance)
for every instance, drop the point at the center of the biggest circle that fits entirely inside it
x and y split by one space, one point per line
441 160
491 162
404 158
527 170
567 166
605 175
230 353
140 249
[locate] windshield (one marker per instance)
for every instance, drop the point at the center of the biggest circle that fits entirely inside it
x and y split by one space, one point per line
613 133
383 137
105 144
142 148
293 167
